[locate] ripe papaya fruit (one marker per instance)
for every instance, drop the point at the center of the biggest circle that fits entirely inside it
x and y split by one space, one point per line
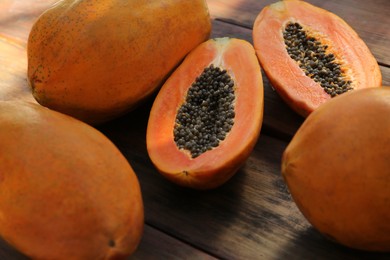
337 169
96 60
207 117
66 192
311 55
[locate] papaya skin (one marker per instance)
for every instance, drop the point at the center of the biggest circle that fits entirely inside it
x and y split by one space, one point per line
214 167
337 169
66 192
299 91
96 60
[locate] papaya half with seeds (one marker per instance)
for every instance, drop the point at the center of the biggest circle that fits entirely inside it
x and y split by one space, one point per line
207 117
311 55
337 169
96 60
66 192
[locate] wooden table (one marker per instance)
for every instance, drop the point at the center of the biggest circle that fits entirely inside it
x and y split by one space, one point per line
250 217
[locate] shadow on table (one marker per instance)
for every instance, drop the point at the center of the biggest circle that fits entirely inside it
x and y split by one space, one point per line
8 252
310 243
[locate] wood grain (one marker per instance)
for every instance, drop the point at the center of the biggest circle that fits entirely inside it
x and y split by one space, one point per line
13 71
158 245
370 19
17 17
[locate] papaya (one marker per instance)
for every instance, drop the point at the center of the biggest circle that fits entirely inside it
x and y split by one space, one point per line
311 55
207 117
96 60
337 169
66 192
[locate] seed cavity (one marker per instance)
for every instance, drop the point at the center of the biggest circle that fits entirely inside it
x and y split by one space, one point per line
314 59
207 115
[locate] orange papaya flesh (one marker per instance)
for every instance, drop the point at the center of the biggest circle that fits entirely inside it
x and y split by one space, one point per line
328 60
98 65
337 169
210 168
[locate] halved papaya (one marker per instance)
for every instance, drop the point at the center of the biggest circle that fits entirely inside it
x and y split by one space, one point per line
311 55
207 117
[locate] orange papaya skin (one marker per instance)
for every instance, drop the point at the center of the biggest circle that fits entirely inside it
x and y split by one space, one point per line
66 192
299 91
96 60
214 167
337 169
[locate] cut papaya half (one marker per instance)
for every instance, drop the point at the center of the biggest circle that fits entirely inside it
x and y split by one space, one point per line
311 55
207 117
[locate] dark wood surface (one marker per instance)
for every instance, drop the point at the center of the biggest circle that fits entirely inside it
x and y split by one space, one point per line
250 217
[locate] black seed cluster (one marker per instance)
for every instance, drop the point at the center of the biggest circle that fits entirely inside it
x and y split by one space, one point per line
314 61
207 114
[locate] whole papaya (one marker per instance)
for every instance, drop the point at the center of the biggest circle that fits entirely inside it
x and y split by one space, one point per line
66 192
337 169
96 60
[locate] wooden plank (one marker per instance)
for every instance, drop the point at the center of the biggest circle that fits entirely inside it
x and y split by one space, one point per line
154 245
252 216
13 71
385 76
17 17
158 245
370 19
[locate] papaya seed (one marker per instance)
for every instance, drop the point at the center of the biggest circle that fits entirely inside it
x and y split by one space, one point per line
314 61
209 102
